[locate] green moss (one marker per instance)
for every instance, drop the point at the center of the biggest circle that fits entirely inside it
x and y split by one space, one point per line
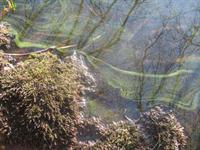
155 129
96 135
3 62
5 36
121 135
162 130
39 99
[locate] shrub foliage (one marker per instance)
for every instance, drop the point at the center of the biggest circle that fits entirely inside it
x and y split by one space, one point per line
39 102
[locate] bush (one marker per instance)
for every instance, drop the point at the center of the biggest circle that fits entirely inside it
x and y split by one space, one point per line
162 130
40 102
121 135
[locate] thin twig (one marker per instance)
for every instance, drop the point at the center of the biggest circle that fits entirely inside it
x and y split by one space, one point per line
26 54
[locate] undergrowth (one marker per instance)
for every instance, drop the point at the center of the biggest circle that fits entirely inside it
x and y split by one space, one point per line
39 102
